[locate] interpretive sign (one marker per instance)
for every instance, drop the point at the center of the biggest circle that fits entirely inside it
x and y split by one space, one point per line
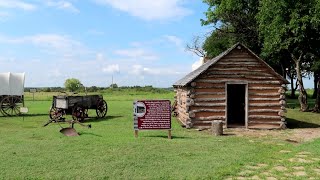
152 115
33 90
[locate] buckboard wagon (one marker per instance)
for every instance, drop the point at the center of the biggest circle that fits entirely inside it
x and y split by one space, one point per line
77 106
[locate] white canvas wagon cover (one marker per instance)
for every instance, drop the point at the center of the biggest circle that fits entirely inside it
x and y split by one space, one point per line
12 83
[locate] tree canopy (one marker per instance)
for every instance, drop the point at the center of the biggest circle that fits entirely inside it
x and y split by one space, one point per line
72 84
285 33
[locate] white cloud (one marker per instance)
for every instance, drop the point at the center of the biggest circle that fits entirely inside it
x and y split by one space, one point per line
136 53
64 5
17 4
141 70
52 43
148 9
197 64
176 41
113 68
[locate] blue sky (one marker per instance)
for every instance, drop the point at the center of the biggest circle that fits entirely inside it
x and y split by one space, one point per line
138 42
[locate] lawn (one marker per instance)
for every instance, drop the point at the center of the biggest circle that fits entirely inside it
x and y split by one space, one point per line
110 151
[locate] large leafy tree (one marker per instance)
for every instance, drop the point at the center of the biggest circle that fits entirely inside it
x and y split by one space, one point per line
72 84
233 21
290 26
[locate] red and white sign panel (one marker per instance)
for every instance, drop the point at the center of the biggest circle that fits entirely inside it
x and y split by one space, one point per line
152 114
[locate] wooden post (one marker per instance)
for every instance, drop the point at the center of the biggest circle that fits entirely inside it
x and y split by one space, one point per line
216 128
136 132
169 134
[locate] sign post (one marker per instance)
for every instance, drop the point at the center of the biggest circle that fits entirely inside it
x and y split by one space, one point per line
33 91
152 115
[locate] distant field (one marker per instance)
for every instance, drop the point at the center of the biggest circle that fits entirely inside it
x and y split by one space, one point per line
110 151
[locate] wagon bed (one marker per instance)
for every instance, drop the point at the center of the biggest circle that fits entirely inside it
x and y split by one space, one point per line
77 106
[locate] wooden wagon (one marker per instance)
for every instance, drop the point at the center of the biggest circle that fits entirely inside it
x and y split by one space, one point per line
77 106
11 93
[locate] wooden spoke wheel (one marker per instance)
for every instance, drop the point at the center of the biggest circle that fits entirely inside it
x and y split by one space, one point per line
10 105
79 113
56 113
102 108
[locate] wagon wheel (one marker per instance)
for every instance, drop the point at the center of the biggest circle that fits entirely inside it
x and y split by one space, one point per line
56 113
79 113
10 105
102 108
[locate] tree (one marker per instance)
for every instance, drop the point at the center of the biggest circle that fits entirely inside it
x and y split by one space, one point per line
218 42
234 20
114 85
72 84
291 26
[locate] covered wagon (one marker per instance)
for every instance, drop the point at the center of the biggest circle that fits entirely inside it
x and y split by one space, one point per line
236 87
11 93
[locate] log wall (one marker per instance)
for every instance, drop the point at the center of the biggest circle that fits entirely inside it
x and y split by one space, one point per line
204 100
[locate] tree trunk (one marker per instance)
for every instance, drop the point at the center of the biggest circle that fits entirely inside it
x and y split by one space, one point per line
293 89
317 102
315 84
303 99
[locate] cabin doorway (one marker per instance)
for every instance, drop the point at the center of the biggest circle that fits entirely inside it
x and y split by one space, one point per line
236 105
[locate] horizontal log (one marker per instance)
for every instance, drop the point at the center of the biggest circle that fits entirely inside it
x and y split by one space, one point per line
261 78
208 110
238 63
210 121
191 91
236 80
263 99
211 104
263 126
190 102
262 88
192 114
209 93
232 71
282 91
209 118
209 99
238 56
264 82
193 84
263 110
281 113
192 96
211 86
264 94
238 68
265 122
282 96
282 102
264 117
239 75
264 105
239 59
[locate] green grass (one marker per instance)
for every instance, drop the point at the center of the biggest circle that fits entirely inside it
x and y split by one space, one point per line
110 151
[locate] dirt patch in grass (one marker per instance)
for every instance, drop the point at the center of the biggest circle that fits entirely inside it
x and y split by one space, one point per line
288 135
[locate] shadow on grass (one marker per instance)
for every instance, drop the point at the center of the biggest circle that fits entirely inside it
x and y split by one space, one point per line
166 137
95 119
91 134
294 124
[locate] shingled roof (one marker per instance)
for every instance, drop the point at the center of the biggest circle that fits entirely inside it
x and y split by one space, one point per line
194 74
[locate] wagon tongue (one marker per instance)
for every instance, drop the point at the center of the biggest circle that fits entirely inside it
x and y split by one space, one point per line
69 131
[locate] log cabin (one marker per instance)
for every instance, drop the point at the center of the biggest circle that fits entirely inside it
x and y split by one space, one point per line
236 87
